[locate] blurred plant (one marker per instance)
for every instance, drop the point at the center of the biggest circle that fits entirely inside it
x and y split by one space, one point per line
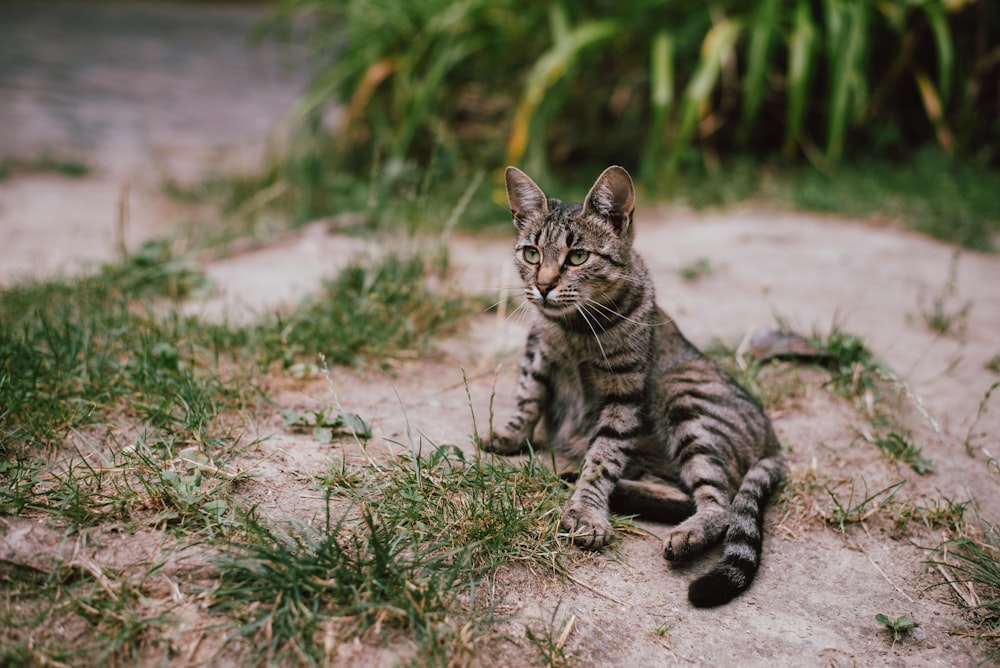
648 83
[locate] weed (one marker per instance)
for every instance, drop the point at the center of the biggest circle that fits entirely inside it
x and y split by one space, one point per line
380 310
65 166
430 528
993 364
74 352
849 512
293 581
664 629
696 270
551 642
899 448
854 369
941 513
770 383
938 318
971 436
323 424
495 511
944 322
976 560
900 627
107 617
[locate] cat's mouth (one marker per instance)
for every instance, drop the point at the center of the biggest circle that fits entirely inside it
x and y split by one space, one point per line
554 306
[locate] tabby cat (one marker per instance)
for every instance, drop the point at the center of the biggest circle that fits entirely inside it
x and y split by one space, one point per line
610 383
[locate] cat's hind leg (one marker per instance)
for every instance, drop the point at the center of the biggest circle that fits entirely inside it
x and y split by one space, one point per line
710 485
652 498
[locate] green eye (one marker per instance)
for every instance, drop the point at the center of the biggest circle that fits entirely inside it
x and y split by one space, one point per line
531 255
577 256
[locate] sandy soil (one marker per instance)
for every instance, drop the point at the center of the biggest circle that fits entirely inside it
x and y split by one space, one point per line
819 589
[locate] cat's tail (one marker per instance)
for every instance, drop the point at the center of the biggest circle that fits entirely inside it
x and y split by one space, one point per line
741 547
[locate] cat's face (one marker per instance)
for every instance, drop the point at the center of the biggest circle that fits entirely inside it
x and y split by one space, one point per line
572 257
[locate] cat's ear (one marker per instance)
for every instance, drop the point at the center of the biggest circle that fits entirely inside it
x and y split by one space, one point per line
526 199
612 197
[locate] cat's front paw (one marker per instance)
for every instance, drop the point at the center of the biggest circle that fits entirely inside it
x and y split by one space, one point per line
504 443
586 527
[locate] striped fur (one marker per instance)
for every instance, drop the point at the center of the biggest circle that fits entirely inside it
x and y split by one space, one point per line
610 383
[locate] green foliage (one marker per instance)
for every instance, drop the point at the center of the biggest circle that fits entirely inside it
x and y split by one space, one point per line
938 513
377 310
74 350
65 166
696 270
899 448
852 510
323 424
947 198
856 374
993 364
456 81
899 627
550 643
974 559
431 528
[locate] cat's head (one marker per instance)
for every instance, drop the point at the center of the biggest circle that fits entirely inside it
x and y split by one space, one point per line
571 255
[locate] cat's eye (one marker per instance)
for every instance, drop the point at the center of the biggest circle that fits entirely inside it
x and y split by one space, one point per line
577 256
531 255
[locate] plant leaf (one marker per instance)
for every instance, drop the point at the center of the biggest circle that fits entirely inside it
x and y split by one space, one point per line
802 48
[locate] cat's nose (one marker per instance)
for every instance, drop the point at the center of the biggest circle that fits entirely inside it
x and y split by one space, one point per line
544 288
546 280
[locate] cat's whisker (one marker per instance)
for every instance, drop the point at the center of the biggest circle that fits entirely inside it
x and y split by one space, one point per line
605 307
604 355
626 277
593 313
503 301
515 290
520 310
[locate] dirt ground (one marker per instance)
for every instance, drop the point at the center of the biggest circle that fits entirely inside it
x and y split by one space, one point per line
819 589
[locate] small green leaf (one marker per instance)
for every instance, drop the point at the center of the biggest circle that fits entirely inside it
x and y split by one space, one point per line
356 424
217 507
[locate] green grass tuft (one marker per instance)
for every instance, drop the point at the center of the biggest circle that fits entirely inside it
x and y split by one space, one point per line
374 310
428 530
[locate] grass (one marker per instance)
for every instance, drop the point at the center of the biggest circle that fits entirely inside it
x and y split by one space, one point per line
427 531
970 563
938 195
856 374
947 198
943 513
696 270
854 509
375 311
46 164
74 351
117 410
939 316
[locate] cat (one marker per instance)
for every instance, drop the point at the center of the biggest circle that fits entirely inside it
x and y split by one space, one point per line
610 384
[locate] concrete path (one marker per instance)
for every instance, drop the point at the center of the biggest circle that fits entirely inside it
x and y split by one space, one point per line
140 92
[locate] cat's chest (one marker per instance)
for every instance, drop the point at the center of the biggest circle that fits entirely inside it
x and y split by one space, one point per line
575 378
